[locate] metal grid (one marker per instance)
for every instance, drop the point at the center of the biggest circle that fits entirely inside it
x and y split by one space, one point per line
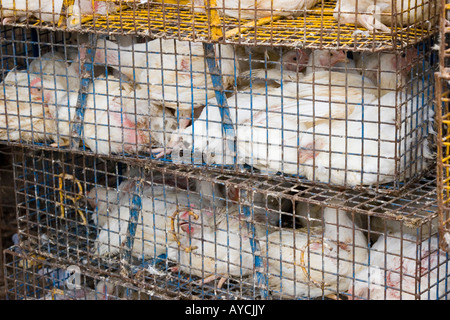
228 214
217 106
29 277
49 183
442 119
8 222
325 25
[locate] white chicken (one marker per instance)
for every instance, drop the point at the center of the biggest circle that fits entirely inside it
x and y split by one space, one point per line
320 60
216 245
316 261
295 61
113 121
205 134
269 139
25 114
117 117
106 200
45 10
382 14
361 148
50 10
256 9
401 267
289 68
82 8
154 232
388 71
174 72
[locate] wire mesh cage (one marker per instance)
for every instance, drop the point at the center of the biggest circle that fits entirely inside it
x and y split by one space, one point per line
442 119
188 233
30 277
330 116
318 24
8 222
223 150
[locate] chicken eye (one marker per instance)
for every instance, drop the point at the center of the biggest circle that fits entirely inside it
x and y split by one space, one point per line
403 54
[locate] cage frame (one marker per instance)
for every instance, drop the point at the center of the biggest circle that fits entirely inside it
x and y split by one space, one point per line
220 98
442 109
415 209
210 27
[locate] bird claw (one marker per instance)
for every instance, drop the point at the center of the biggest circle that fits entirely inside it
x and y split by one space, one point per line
372 24
161 152
175 142
333 296
221 282
212 278
61 144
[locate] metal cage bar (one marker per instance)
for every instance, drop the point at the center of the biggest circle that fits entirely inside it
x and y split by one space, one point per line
326 24
179 226
442 112
409 220
159 96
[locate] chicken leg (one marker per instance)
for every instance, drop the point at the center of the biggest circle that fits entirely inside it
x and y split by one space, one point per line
371 23
212 278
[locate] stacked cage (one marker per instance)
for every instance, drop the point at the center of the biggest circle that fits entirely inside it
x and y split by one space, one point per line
218 150
442 92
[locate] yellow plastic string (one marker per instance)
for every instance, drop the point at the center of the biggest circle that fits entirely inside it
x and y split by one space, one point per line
61 178
174 233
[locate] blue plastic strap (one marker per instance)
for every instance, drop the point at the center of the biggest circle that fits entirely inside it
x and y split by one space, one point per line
86 77
135 209
228 131
254 244
216 78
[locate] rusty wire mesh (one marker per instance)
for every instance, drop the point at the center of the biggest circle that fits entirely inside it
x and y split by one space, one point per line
85 189
314 24
442 119
8 219
246 131
330 116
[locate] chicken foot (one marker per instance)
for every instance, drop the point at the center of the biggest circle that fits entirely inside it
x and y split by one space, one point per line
370 23
212 278
175 141
61 143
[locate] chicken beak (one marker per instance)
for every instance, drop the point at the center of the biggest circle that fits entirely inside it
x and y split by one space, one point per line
339 56
303 58
185 226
